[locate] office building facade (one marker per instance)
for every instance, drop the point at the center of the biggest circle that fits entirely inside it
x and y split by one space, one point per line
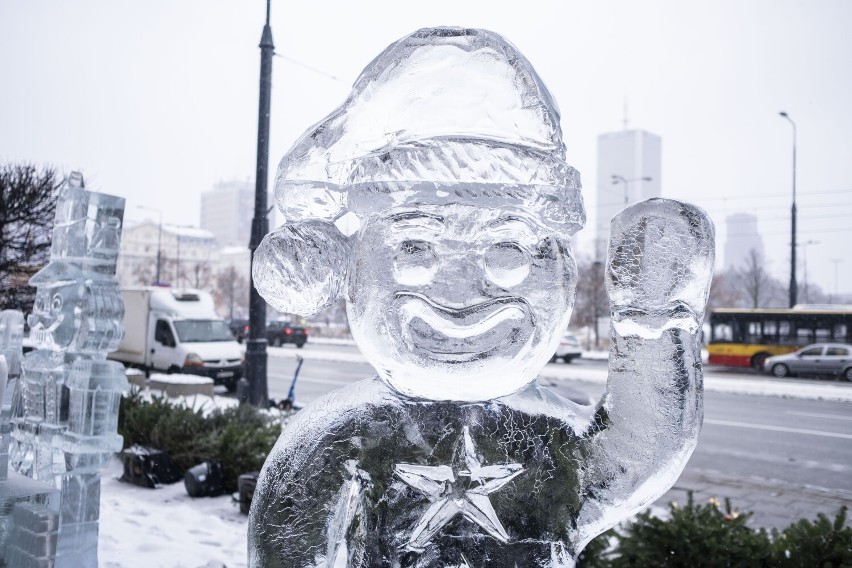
227 211
629 170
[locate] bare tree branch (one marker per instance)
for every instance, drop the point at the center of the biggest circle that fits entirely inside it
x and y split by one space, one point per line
27 205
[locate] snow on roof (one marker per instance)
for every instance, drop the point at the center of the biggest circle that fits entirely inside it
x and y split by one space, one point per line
234 251
131 223
179 230
191 232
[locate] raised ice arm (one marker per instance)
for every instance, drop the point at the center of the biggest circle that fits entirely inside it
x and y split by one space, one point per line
659 267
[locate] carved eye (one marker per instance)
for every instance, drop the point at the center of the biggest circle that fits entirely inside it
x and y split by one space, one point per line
506 264
56 303
414 263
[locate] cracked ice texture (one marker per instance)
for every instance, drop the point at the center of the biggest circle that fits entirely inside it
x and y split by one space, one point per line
461 109
28 509
290 268
658 267
437 202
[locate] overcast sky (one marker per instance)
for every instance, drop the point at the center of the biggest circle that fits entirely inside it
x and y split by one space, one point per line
157 100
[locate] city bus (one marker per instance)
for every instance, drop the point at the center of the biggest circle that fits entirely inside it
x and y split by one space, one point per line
745 338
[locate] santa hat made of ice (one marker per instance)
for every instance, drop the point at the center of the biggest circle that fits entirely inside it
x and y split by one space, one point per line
442 115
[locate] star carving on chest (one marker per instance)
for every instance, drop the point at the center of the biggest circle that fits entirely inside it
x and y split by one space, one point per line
457 489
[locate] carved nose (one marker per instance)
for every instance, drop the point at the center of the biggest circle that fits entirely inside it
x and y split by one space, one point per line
459 280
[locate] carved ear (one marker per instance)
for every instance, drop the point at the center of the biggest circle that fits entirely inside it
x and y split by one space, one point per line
301 268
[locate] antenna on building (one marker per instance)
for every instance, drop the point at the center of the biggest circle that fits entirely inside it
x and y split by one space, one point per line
625 120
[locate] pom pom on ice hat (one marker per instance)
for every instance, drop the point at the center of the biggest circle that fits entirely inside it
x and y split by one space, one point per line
443 115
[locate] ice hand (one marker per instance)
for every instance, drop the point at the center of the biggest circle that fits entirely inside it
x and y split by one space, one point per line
659 267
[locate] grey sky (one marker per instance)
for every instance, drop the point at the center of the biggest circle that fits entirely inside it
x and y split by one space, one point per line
157 100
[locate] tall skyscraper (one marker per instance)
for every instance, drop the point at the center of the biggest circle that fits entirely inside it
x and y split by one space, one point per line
741 237
227 211
629 170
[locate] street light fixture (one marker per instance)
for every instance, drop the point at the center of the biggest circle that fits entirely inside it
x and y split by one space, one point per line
793 290
616 179
159 239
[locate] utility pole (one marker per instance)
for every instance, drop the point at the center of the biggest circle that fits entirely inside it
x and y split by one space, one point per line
256 356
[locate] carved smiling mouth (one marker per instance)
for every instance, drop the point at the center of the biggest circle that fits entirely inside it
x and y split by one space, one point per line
459 335
43 335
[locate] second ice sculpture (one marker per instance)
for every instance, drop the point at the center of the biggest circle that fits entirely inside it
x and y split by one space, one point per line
66 430
29 509
437 201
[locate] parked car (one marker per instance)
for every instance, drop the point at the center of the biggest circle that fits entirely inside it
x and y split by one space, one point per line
817 359
239 328
281 332
569 348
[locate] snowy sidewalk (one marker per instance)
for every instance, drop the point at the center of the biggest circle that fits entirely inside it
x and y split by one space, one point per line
166 528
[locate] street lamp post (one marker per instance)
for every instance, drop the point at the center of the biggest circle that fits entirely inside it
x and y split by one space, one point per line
616 179
256 356
159 239
793 285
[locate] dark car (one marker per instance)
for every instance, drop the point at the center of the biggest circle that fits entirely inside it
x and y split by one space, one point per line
239 328
817 359
281 332
569 348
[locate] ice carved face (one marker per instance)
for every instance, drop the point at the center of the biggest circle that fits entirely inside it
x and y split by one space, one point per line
459 302
54 321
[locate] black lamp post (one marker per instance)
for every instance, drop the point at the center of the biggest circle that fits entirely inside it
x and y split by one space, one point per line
793 284
256 344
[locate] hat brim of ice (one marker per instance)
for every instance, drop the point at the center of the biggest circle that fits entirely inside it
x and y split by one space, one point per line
479 172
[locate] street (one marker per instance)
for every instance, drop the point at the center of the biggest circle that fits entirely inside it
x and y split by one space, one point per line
789 457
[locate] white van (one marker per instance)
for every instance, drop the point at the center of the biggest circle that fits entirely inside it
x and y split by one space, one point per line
178 331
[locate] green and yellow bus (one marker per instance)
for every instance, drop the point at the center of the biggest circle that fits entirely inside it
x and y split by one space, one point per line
745 338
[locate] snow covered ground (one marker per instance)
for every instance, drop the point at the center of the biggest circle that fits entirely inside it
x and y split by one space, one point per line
164 527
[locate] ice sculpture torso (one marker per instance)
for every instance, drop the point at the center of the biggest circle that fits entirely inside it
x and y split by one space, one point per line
438 203
425 483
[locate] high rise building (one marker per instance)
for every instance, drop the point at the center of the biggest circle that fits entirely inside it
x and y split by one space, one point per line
629 170
227 211
741 237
